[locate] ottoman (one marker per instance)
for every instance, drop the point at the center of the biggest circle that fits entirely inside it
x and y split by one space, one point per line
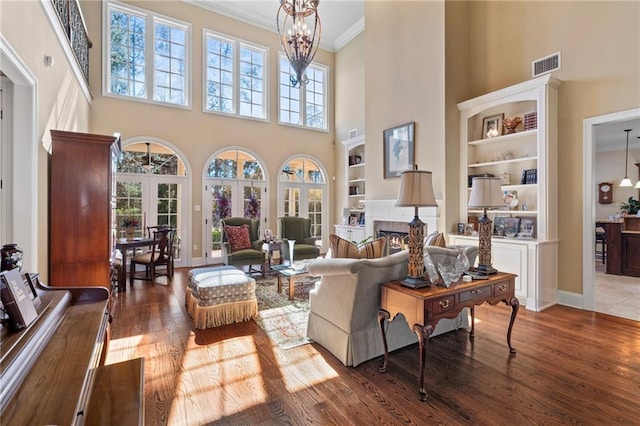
219 296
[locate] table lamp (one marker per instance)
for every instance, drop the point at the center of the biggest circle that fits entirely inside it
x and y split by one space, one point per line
486 193
416 190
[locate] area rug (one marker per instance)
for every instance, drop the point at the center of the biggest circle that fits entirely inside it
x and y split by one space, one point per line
283 320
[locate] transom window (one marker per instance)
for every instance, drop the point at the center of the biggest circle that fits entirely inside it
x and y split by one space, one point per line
305 105
235 76
147 55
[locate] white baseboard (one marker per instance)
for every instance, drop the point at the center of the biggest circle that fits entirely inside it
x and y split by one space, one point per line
574 300
197 261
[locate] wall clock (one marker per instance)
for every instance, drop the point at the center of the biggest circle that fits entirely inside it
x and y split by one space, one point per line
605 193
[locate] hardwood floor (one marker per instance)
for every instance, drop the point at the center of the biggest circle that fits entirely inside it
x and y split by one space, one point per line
572 366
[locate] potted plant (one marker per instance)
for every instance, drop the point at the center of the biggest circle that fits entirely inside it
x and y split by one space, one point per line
630 207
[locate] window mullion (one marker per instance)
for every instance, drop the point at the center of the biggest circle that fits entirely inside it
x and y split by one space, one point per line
150 56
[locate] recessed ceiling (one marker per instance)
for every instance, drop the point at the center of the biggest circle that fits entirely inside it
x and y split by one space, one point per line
341 19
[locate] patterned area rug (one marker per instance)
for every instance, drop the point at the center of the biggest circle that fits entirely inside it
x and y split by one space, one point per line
284 320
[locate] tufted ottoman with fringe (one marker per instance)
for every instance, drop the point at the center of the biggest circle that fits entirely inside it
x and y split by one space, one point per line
220 295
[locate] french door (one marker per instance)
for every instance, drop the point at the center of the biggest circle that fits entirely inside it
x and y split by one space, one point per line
151 200
231 198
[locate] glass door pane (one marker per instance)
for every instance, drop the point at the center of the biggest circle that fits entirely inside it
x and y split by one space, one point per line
252 202
221 208
315 211
129 208
291 198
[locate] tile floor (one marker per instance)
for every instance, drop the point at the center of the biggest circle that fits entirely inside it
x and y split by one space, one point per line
617 295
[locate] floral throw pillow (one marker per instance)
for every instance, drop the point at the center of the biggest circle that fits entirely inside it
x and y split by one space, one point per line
238 237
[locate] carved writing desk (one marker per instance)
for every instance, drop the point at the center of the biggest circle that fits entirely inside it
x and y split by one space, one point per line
424 307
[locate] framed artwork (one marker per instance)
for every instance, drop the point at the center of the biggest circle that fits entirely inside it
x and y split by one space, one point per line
399 147
511 226
492 126
527 227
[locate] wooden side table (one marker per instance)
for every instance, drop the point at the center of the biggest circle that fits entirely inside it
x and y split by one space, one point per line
269 248
424 307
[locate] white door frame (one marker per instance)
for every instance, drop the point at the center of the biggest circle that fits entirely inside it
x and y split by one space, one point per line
207 204
303 185
589 206
186 182
22 225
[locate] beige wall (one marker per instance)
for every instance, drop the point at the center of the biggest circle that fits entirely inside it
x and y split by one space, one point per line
600 67
60 101
197 134
349 111
404 81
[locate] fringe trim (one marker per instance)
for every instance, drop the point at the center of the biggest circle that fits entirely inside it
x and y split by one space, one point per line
213 316
191 302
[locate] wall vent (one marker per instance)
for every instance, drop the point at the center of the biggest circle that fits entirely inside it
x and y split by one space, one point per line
545 65
353 133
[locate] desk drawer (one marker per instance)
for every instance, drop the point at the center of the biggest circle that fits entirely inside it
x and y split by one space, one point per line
502 288
443 304
478 293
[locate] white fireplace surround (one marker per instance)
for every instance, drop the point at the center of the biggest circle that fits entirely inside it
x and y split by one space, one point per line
386 211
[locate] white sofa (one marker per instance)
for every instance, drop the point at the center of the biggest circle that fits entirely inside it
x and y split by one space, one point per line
345 303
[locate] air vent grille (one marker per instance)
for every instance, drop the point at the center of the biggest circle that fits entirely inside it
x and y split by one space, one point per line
545 65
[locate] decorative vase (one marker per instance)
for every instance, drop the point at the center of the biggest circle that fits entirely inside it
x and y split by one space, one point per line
11 256
130 230
431 273
291 244
462 260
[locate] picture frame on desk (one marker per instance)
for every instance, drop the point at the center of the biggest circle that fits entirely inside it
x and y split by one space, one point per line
399 149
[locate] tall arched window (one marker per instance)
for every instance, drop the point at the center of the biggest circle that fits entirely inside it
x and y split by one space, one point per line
235 185
151 185
302 191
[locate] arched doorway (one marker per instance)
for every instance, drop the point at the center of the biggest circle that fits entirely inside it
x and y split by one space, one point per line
152 188
302 191
235 184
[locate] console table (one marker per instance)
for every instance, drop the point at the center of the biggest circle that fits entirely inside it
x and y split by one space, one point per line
424 307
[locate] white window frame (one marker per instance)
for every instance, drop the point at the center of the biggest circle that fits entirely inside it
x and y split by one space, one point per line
151 19
303 97
237 45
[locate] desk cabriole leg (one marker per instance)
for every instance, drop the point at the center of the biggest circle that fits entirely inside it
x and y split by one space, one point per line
515 306
383 316
423 333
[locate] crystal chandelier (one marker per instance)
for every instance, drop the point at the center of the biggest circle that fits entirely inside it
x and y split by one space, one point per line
299 29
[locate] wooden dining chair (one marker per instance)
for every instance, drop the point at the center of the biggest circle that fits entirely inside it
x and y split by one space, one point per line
157 262
172 240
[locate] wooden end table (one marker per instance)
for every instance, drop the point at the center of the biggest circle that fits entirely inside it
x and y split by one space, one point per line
424 307
291 274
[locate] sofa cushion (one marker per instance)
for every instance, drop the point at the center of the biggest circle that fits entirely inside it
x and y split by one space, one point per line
238 237
341 248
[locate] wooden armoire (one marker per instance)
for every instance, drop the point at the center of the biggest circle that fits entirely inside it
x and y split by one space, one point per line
81 207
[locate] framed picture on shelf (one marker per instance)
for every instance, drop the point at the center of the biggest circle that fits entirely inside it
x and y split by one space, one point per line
399 149
361 219
461 227
492 126
511 226
469 229
353 220
527 227
498 225
510 199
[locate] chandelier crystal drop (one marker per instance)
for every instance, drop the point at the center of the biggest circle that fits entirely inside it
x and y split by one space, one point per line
299 29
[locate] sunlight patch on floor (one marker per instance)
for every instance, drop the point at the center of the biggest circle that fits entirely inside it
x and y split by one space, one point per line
123 349
313 367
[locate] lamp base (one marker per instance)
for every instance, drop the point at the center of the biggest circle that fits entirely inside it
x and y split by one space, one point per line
413 282
484 269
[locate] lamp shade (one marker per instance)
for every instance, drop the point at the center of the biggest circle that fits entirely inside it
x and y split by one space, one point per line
486 192
416 189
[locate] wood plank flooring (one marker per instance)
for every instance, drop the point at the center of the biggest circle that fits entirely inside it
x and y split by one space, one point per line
571 367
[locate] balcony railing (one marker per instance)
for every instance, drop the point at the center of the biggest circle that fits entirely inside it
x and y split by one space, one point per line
72 22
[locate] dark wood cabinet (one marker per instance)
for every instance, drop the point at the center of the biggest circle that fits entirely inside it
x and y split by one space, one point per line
81 184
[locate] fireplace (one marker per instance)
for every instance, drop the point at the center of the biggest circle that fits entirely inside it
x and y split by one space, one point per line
396 234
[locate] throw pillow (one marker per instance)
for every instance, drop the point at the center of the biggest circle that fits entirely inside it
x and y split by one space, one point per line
439 241
428 240
238 237
341 248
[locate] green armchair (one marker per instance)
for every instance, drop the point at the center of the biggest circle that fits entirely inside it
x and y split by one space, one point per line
253 255
298 229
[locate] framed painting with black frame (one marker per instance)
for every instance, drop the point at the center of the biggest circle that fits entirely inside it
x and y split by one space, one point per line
399 148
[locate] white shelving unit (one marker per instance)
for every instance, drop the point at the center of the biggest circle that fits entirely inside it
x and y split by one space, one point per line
507 156
355 189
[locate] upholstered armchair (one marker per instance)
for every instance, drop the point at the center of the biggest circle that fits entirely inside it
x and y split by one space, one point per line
241 243
298 229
